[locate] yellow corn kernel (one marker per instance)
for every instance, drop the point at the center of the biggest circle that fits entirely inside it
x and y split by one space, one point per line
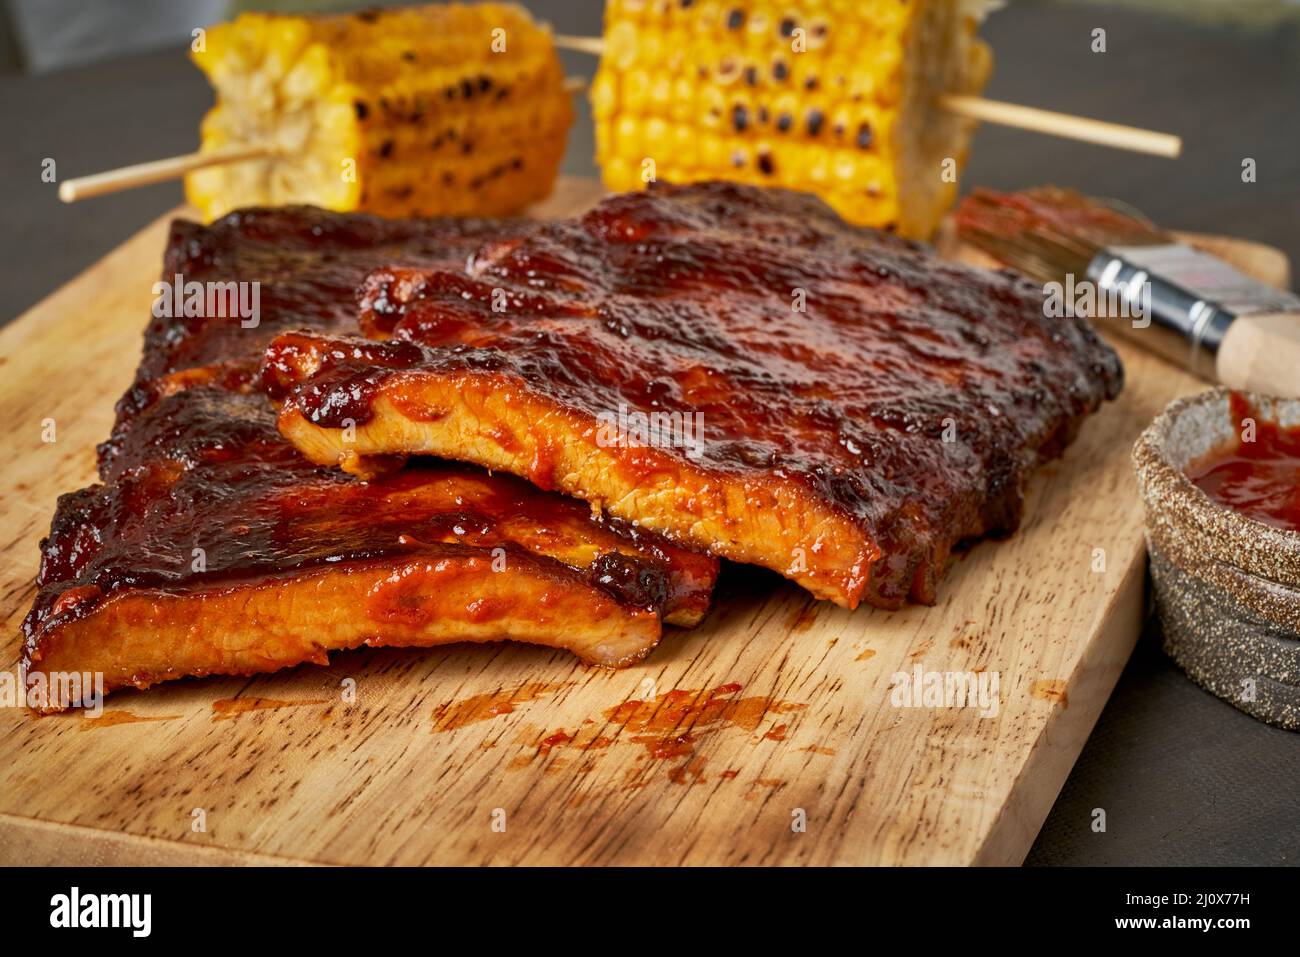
835 97
455 110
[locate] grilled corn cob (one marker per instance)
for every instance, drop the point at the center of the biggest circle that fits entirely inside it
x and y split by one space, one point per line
834 97
437 110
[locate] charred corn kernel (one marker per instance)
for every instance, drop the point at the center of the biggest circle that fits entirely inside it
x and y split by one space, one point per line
422 111
834 97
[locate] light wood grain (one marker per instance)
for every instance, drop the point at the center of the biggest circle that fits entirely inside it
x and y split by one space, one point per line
1262 354
395 778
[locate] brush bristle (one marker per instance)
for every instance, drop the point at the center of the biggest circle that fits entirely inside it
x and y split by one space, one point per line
1048 232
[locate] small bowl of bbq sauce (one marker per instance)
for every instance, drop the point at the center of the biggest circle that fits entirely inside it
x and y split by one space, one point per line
1219 474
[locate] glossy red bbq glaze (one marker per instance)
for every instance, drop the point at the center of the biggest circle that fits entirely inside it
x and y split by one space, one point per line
307 261
195 459
1260 479
1050 211
836 356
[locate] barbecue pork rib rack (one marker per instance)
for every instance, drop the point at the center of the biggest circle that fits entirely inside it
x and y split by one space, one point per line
213 547
850 406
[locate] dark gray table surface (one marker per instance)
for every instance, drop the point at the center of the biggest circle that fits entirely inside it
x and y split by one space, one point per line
1183 777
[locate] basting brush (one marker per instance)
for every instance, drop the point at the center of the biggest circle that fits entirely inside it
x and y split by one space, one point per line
1185 305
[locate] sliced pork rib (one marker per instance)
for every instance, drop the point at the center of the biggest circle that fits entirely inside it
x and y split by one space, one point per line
213 547
733 367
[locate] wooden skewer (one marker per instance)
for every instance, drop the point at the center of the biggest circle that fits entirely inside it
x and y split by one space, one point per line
157 171
1063 124
593 45
1004 114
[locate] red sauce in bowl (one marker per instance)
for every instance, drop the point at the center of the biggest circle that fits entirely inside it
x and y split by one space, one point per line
1260 479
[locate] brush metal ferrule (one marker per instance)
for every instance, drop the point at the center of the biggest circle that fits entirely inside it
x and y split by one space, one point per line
1190 298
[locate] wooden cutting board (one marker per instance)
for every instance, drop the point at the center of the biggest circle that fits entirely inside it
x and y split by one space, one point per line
765 736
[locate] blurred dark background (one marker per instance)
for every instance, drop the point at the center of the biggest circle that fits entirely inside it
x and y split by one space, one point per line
1184 778
95 85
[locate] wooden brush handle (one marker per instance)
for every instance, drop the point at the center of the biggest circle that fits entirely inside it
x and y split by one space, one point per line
1262 354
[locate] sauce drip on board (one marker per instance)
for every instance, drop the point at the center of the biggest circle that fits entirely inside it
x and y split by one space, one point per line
1260 479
